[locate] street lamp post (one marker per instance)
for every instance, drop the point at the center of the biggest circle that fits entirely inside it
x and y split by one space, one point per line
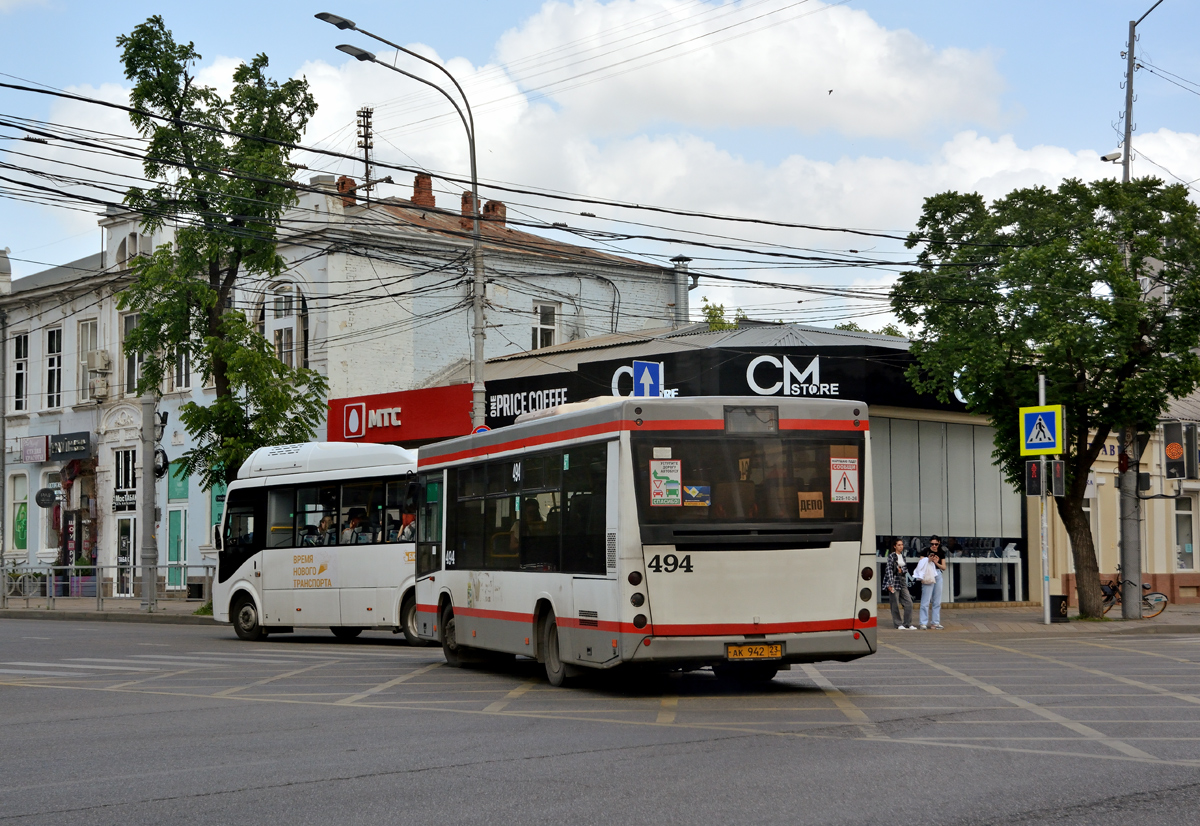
478 331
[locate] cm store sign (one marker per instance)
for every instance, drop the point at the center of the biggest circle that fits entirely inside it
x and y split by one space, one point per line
780 376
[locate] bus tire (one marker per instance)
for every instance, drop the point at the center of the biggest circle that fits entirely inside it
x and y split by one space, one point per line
558 673
747 672
450 647
343 632
246 622
408 620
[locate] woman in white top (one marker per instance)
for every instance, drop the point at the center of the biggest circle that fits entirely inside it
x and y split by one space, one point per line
931 567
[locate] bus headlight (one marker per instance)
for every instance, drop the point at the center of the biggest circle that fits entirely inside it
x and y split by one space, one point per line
638 600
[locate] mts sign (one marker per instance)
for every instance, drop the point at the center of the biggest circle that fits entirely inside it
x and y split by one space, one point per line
429 413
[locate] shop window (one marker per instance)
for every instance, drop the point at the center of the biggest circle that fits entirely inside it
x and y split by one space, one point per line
177 483
545 325
19 485
125 480
52 538
54 368
89 339
21 372
1185 554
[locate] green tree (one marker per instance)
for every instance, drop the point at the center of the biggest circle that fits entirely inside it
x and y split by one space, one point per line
714 314
1048 281
222 178
888 329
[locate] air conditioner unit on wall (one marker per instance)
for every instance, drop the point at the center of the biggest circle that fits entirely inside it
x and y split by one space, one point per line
97 388
98 361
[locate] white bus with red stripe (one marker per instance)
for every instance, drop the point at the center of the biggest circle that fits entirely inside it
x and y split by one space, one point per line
723 532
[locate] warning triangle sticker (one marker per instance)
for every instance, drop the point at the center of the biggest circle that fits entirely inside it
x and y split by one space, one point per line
844 484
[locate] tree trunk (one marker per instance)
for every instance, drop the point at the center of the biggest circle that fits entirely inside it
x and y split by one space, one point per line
1087 571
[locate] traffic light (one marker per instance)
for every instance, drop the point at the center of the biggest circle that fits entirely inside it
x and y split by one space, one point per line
1176 455
1058 478
1033 477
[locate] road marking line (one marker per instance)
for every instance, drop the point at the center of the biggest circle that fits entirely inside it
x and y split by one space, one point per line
283 676
1136 651
844 703
1032 708
354 698
28 673
215 660
127 662
90 667
510 696
669 704
162 676
1157 689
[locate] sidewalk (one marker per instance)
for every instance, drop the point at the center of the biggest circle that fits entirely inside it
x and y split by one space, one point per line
176 611
1177 619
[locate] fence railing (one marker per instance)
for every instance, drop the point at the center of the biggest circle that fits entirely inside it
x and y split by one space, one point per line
32 586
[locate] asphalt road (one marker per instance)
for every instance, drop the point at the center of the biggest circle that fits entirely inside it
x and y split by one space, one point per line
112 723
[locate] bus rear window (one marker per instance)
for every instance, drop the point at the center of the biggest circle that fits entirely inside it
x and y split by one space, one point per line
724 480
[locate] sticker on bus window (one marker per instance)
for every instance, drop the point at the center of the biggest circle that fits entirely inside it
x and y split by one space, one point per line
843 479
662 453
812 504
697 496
665 483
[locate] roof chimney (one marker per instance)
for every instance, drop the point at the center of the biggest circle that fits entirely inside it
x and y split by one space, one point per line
346 186
5 272
423 190
495 211
468 211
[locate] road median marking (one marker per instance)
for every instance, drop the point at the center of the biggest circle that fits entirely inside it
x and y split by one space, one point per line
855 714
227 692
1020 702
509 697
354 698
669 705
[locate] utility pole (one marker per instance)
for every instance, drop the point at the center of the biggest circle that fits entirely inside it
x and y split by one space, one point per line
1131 518
149 508
1043 514
366 144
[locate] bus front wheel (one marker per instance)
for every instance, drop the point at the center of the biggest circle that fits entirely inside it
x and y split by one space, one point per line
246 623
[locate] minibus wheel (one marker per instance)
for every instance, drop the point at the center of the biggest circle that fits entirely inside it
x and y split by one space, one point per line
408 621
450 646
246 623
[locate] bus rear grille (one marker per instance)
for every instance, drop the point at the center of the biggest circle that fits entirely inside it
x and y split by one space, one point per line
589 619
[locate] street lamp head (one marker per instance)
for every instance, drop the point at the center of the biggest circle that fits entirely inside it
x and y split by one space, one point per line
340 22
355 52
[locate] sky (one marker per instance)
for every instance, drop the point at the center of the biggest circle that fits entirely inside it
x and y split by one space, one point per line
843 115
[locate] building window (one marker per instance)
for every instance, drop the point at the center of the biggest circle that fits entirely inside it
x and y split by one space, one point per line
545 325
182 378
89 340
133 361
277 321
21 372
125 480
20 512
1185 554
283 305
54 368
284 346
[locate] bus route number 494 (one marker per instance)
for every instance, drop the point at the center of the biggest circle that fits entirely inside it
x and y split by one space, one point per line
670 564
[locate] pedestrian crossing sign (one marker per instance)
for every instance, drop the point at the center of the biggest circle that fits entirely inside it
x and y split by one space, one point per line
1042 429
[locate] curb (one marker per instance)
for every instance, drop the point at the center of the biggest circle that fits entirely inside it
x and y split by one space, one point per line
104 616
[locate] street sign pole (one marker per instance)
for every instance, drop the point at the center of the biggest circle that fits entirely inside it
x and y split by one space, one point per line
1045 549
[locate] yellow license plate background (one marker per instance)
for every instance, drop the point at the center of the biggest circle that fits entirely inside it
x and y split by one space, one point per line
758 651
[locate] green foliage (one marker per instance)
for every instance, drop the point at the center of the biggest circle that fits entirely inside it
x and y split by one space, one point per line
714 314
1048 281
205 610
886 330
223 182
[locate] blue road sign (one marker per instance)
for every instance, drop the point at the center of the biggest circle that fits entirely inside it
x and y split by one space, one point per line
1041 429
647 378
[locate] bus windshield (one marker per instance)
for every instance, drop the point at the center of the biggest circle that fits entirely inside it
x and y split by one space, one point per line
727 480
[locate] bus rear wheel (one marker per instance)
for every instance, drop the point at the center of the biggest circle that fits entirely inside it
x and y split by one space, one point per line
344 633
450 647
747 672
558 673
246 623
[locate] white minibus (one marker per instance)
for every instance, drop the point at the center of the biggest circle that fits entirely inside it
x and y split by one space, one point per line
319 535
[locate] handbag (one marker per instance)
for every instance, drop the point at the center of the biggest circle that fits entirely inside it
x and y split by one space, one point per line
928 577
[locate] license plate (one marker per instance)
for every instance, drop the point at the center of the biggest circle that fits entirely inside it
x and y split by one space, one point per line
755 651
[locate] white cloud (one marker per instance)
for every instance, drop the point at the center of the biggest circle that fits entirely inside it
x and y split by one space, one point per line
219 74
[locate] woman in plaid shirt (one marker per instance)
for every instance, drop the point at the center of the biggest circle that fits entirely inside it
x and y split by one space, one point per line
895 578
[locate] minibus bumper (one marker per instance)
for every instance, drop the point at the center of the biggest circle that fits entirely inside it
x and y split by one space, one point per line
807 647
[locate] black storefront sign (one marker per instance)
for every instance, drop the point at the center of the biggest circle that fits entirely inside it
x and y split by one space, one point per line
67 446
874 375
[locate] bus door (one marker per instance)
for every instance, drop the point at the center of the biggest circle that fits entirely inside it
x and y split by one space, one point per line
429 516
588 512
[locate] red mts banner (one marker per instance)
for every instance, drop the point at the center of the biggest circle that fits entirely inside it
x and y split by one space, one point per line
403 416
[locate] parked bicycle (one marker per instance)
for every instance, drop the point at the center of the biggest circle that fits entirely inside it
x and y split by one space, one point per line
1153 603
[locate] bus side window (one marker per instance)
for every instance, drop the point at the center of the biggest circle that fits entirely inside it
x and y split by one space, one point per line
316 516
585 486
281 509
400 515
245 514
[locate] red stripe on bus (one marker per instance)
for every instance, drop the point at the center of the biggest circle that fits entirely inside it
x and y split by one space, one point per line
481 613
661 630
626 424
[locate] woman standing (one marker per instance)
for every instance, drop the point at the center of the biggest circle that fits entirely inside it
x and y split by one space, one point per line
929 572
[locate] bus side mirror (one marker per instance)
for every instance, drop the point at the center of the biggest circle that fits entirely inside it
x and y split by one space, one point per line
217 536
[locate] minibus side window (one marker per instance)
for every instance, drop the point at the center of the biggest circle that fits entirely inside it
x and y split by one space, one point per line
281 508
245 515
